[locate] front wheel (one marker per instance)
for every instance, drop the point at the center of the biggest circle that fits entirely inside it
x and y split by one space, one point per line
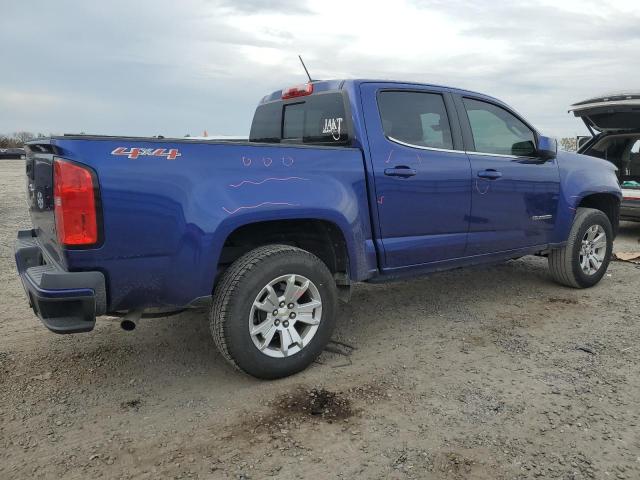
583 261
274 311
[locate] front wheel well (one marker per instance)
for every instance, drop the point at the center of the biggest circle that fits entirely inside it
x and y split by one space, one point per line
322 238
606 203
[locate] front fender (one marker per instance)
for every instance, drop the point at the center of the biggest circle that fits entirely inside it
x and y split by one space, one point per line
581 176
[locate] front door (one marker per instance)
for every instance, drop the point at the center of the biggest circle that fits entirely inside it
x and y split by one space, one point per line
422 176
514 193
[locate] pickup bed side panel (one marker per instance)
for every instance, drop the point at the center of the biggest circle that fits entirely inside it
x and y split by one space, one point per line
581 176
166 220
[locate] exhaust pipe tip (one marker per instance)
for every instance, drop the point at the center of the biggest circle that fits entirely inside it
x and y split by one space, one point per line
128 325
129 321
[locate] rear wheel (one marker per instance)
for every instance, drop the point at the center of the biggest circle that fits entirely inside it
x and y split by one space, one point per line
274 311
583 261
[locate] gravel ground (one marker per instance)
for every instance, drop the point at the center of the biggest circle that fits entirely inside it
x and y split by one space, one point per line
489 373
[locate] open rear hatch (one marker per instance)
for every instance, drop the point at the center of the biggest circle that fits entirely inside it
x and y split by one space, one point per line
610 113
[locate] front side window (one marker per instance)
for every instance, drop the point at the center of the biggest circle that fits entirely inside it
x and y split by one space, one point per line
417 118
495 130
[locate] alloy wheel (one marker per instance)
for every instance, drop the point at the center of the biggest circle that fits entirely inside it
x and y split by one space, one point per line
285 315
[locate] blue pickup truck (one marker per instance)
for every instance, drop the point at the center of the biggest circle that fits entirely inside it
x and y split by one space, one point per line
339 182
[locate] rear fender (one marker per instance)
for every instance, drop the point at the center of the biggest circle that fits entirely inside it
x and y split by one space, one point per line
340 207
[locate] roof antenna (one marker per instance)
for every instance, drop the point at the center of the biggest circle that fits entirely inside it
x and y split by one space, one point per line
305 69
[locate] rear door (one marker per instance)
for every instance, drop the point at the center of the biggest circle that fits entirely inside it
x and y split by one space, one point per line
514 198
422 178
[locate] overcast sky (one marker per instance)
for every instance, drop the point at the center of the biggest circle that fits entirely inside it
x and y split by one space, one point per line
151 67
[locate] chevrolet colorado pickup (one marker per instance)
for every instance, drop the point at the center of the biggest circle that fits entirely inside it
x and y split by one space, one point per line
339 182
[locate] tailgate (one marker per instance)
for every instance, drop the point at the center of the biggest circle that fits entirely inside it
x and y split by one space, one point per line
39 190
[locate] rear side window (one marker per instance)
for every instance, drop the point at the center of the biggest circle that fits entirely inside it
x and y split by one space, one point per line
318 119
417 118
497 131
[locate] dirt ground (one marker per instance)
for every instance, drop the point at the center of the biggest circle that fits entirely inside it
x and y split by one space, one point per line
488 373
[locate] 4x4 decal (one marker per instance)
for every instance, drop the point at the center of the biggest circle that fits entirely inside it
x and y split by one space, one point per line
135 152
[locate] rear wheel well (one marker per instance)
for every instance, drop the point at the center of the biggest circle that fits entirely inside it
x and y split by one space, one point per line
608 204
322 238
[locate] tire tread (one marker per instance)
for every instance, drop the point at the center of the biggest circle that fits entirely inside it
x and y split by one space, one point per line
561 259
225 290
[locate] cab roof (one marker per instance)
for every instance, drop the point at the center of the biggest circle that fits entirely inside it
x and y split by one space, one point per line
338 84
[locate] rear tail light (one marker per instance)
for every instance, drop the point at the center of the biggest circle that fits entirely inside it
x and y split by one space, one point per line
74 197
297 91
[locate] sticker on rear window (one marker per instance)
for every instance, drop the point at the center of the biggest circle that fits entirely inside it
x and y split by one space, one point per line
333 126
135 152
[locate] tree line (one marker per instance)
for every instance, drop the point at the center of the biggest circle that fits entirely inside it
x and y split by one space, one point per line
570 144
18 139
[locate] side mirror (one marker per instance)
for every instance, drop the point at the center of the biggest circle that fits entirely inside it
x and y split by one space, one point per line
547 147
523 149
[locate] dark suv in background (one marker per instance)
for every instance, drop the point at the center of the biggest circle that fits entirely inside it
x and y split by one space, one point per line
614 123
11 153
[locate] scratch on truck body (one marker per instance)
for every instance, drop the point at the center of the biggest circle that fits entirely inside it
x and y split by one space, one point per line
249 207
260 182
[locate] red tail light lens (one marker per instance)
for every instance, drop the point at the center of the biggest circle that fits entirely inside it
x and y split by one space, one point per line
74 204
298 91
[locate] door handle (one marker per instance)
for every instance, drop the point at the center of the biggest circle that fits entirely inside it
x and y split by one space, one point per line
489 174
401 171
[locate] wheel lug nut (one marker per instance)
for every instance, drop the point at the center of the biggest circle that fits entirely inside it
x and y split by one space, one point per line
276 323
292 315
290 306
285 324
282 304
275 313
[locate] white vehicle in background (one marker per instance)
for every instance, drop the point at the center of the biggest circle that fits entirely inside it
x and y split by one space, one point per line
206 136
614 123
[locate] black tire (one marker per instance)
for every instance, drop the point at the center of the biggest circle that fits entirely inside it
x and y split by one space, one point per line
234 296
564 263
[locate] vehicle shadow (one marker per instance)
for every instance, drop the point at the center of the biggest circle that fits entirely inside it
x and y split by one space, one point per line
177 352
187 334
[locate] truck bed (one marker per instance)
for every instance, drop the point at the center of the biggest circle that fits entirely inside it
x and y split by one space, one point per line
167 206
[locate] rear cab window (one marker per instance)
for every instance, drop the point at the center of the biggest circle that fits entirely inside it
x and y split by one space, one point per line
415 118
317 119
